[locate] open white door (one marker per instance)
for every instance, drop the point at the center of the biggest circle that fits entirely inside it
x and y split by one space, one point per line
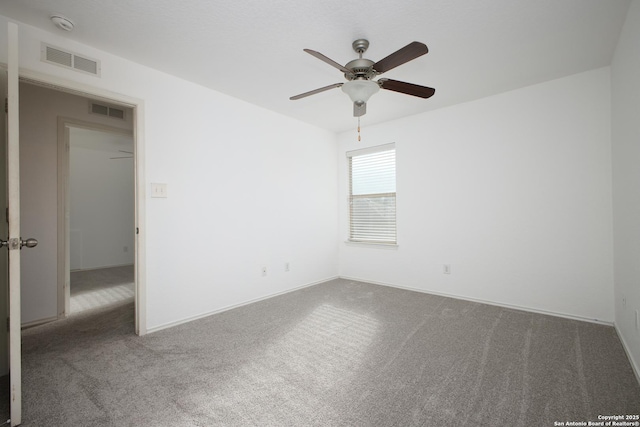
14 242
13 191
4 259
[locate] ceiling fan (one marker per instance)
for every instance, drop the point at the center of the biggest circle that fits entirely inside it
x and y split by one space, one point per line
361 72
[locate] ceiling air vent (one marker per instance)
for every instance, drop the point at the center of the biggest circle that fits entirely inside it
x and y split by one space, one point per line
106 110
64 58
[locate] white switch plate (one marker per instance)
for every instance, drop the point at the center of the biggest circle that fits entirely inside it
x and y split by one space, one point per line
446 269
159 190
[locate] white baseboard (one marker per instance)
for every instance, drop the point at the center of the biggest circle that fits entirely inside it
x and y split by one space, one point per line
231 307
634 365
100 268
498 304
481 301
27 325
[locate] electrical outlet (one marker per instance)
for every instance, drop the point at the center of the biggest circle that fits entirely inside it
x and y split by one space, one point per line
159 190
264 271
446 269
287 266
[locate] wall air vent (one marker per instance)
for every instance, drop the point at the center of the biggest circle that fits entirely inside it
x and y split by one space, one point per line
106 110
64 58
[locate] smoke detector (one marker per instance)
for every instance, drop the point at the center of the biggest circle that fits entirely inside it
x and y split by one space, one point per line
62 22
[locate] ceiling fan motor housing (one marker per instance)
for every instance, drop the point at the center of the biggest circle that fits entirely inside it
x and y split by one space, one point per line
361 68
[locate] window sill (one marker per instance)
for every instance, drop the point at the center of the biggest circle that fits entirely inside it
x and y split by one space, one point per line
388 246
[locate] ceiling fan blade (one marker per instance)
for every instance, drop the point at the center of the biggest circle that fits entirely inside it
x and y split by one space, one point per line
407 88
313 92
399 57
328 61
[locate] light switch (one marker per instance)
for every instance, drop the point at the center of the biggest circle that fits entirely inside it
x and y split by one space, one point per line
159 190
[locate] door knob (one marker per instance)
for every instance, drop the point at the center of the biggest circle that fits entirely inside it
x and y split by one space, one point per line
30 243
18 243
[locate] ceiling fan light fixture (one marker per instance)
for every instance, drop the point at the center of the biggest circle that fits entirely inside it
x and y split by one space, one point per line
360 90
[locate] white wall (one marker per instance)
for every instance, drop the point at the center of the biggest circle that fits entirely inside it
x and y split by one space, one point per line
513 191
102 226
247 188
625 70
39 112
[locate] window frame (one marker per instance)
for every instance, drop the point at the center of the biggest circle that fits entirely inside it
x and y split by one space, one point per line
352 239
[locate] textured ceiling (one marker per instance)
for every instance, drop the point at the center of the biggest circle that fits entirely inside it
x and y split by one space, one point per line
252 49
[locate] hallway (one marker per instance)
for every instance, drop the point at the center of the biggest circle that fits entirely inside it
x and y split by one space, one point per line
102 287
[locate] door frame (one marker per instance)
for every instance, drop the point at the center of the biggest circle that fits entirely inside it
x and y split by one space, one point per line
137 105
13 189
64 204
4 227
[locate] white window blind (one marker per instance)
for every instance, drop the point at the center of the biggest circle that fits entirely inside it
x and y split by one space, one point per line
372 195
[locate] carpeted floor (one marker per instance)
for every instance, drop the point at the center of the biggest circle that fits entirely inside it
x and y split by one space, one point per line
91 289
341 353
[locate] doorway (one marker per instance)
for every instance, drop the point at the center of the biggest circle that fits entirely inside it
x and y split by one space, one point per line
67 115
45 114
15 180
100 230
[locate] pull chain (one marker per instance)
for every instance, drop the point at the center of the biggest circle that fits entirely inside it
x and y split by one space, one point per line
358 129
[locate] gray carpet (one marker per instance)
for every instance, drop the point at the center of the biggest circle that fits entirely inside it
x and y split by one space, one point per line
341 353
91 289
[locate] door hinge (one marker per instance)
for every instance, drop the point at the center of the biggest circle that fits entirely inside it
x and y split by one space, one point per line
137 230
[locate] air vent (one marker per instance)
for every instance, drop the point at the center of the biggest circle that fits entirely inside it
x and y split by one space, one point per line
84 64
59 57
100 109
106 110
116 113
55 55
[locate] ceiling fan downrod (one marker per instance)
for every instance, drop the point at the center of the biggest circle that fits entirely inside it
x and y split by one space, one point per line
360 46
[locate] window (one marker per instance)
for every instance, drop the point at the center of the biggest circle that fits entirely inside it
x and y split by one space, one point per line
372 195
